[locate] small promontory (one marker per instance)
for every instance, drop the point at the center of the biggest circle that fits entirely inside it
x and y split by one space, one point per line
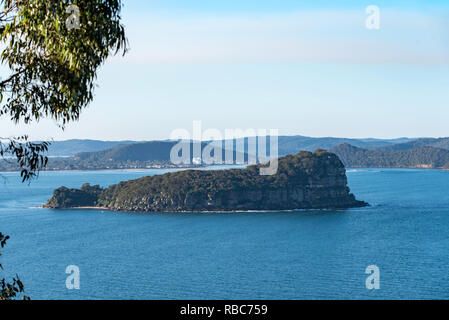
303 181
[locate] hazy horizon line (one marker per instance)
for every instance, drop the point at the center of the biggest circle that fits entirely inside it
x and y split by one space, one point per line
282 135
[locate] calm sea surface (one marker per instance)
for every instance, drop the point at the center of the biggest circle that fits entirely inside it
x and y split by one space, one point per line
295 255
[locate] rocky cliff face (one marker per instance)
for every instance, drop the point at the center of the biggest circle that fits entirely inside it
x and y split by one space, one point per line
303 181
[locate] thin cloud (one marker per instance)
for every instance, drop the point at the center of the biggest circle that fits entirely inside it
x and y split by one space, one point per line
308 36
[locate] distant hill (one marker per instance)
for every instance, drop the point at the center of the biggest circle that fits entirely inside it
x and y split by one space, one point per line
442 143
287 144
293 144
419 157
144 151
69 148
98 155
143 155
156 151
160 150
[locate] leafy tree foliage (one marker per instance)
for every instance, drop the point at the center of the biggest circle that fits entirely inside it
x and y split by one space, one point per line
52 68
52 72
9 291
28 155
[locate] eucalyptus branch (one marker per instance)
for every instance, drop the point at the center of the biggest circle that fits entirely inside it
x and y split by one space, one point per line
11 78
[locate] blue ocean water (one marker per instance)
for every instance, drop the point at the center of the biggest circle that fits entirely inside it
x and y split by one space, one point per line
269 255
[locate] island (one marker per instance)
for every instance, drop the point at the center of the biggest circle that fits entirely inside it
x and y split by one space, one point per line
306 180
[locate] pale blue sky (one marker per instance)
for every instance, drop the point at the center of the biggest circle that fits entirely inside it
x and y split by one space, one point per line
303 67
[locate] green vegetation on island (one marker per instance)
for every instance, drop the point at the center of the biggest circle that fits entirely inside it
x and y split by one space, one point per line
303 181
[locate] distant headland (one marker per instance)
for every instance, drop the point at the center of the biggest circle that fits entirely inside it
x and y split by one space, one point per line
355 153
305 180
